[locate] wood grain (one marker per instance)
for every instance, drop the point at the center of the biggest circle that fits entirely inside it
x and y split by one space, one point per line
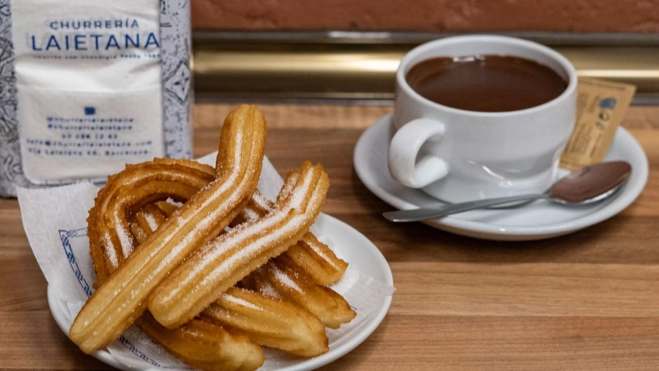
589 300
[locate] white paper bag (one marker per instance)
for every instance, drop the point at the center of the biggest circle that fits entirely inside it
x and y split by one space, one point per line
90 85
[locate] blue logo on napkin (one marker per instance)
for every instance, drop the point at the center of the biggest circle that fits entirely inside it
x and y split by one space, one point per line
90 111
65 236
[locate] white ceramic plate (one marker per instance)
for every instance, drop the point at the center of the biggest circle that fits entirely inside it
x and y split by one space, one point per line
351 245
535 221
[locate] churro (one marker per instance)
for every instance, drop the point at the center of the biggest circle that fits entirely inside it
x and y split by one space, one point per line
292 283
270 322
316 258
146 221
122 298
300 273
226 260
109 228
204 345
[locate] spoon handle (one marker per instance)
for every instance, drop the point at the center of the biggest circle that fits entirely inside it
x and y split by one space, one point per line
415 215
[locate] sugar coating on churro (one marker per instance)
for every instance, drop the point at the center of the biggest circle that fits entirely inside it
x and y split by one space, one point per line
151 220
110 252
239 301
316 247
284 279
126 239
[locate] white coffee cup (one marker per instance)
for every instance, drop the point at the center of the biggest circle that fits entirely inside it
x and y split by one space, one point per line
456 155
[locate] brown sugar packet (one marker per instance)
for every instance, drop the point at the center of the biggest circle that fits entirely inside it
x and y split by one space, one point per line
601 106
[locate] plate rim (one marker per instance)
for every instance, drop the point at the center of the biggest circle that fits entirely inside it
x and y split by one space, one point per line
482 230
312 363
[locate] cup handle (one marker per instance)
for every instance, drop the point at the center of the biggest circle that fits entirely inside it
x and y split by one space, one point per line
404 149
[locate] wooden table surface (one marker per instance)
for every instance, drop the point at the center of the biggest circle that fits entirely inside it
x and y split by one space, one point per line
587 301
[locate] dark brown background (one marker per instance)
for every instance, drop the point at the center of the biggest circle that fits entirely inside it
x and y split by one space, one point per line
429 15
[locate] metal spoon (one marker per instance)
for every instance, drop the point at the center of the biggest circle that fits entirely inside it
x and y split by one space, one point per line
581 186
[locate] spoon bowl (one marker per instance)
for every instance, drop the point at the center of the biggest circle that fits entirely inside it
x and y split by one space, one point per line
590 183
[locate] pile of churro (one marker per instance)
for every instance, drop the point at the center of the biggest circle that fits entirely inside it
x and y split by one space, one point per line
205 265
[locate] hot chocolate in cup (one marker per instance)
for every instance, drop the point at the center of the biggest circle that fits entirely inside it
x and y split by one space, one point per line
477 133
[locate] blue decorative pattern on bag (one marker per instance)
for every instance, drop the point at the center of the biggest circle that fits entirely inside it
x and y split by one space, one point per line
175 65
11 172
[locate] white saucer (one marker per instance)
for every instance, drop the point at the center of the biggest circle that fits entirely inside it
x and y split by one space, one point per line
531 222
351 245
